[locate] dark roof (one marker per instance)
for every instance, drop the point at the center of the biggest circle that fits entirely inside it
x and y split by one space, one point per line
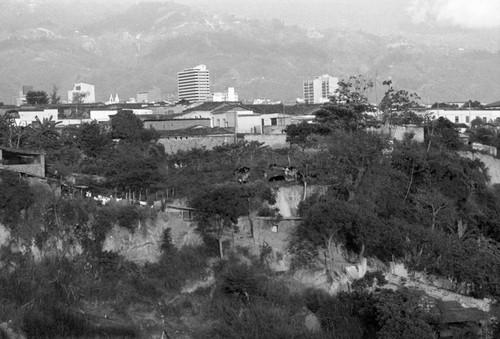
302 109
266 109
195 131
21 151
230 107
494 104
454 312
208 106
169 117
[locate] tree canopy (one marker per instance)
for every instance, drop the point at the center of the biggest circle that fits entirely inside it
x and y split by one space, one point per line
37 98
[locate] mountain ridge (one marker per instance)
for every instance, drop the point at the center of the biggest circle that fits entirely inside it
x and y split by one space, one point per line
144 45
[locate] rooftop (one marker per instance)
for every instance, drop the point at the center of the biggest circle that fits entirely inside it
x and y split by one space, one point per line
196 131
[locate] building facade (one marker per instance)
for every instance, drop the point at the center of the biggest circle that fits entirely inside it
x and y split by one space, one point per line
194 84
230 96
320 89
464 116
83 92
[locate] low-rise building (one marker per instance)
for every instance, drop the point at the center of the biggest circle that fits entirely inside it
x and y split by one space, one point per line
26 162
81 92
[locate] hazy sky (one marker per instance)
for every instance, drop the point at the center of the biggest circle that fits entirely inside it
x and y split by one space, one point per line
374 15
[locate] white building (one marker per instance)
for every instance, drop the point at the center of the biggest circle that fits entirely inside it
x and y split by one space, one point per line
240 118
29 116
21 98
319 90
86 91
102 115
230 95
464 116
194 84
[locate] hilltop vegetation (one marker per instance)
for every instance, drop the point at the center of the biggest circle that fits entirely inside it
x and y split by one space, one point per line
416 203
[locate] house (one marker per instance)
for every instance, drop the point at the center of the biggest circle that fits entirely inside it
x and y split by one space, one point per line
28 115
26 162
82 92
239 118
195 137
464 115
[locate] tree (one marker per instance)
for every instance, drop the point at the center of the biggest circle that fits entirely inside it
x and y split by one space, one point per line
43 135
443 134
37 98
473 104
55 98
398 106
351 156
349 107
93 140
219 208
79 97
127 126
300 134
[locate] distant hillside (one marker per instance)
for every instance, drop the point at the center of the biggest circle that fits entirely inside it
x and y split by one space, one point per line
124 50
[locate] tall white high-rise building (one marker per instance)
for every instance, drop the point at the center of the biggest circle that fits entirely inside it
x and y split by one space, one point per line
194 84
319 90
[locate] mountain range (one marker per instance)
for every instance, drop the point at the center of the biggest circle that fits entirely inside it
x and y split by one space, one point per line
129 48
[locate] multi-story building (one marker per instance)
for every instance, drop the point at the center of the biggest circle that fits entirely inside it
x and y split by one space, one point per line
320 89
83 93
194 84
21 98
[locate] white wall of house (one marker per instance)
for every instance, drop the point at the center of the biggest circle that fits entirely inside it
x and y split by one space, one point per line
464 116
86 89
27 117
102 115
248 121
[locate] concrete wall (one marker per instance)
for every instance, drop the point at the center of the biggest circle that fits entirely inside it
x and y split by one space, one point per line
276 129
400 132
491 163
274 141
102 115
173 124
27 117
485 148
175 144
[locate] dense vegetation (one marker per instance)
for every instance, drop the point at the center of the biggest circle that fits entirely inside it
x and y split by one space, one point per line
418 203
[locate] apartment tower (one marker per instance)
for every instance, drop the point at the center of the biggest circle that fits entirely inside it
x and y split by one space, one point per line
320 89
194 84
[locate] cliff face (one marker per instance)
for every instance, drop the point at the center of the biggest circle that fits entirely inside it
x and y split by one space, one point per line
288 198
143 245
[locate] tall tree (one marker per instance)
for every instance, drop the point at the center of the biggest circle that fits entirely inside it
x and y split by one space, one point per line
219 208
398 106
349 108
93 139
37 98
127 126
55 98
301 134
